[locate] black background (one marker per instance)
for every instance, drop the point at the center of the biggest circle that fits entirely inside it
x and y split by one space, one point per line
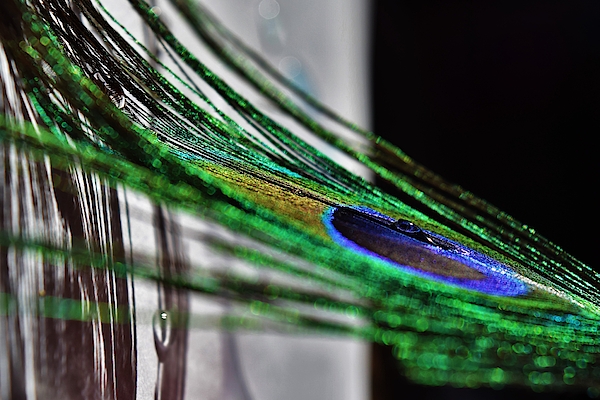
502 98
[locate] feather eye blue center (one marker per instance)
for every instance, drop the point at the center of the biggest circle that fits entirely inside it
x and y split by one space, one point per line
403 244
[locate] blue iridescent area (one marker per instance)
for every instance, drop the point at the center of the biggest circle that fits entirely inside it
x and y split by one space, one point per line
213 155
420 252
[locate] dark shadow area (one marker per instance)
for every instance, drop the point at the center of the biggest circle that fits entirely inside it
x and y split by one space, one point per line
389 384
502 98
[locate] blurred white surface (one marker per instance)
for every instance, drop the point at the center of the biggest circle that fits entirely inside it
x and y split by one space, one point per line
322 45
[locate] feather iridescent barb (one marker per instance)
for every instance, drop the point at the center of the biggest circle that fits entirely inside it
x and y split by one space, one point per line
462 292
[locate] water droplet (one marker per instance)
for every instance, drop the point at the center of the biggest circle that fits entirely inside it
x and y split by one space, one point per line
112 89
290 67
118 100
405 226
162 327
156 11
268 9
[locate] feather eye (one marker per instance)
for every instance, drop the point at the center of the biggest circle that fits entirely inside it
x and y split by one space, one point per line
421 252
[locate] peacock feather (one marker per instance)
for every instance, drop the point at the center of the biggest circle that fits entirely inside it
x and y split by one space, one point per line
101 137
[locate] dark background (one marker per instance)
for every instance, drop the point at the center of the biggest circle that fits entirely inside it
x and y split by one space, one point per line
502 98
